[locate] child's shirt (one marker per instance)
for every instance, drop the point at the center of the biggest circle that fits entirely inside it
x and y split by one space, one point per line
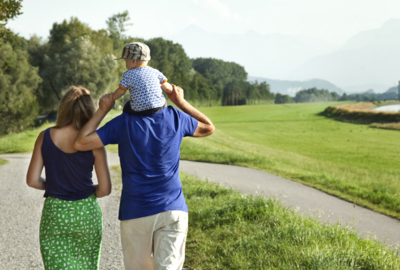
143 83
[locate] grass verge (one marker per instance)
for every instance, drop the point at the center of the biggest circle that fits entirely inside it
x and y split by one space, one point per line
3 161
228 230
24 142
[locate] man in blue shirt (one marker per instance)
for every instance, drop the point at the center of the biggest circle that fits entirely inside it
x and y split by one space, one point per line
153 211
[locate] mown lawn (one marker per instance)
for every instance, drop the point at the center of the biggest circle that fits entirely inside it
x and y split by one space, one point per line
228 230
354 162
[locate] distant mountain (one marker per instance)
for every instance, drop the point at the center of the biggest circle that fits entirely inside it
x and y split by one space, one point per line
378 88
391 94
369 92
393 89
370 57
292 87
271 55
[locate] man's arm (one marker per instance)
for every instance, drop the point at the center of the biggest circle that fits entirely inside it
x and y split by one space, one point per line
205 127
87 138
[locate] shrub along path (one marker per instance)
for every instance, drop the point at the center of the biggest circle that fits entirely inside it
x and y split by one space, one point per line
297 196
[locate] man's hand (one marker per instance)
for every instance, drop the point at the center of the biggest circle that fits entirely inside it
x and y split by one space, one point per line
176 96
106 103
204 127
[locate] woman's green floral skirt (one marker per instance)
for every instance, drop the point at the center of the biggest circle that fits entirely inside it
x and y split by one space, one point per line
70 234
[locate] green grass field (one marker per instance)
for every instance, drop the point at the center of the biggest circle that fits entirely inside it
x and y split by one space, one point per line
228 230
354 162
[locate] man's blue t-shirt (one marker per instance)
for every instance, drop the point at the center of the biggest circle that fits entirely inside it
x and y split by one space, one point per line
148 147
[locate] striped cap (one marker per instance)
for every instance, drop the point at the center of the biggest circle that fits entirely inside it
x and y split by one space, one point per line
136 51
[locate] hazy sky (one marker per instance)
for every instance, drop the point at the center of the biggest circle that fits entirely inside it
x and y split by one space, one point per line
333 21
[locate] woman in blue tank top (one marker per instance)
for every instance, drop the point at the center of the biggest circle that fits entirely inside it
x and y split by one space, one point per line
71 224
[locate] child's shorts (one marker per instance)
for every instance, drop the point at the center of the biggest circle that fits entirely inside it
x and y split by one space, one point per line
128 109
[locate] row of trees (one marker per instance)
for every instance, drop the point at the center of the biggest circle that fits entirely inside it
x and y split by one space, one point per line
35 72
308 95
320 95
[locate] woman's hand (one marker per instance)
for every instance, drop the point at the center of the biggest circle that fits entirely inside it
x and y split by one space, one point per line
106 103
177 96
87 138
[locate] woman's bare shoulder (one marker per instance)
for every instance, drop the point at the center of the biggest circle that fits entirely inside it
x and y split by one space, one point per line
40 137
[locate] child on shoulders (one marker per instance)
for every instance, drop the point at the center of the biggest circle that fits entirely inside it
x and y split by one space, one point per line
143 82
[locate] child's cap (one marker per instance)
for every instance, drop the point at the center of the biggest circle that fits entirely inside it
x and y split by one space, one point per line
136 51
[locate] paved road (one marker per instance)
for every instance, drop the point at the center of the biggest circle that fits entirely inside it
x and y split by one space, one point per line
20 209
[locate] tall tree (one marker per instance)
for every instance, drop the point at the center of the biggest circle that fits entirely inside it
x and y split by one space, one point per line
59 58
234 93
18 81
116 26
171 59
219 72
81 63
9 9
315 95
281 99
67 31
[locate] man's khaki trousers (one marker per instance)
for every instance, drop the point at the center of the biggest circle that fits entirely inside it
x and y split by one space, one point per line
155 242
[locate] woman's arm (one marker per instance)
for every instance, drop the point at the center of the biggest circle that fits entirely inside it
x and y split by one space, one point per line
33 178
87 138
103 173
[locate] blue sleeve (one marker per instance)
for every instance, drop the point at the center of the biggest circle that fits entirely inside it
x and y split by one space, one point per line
125 81
109 133
161 77
188 123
